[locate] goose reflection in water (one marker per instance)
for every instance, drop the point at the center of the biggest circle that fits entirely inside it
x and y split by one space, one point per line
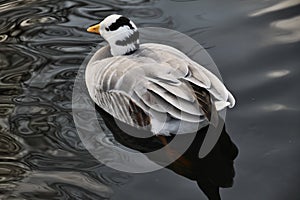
211 172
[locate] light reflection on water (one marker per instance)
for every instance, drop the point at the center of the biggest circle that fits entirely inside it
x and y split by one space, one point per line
42 44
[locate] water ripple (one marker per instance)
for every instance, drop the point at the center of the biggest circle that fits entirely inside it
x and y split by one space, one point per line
53 34
61 185
3 37
11 171
145 13
9 147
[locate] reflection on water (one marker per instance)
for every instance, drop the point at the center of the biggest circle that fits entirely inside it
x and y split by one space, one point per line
292 26
212 172
278 6
42 44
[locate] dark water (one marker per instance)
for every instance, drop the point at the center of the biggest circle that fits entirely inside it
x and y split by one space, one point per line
255 44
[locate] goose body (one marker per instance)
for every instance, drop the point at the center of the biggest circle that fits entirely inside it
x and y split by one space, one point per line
157 88
152 86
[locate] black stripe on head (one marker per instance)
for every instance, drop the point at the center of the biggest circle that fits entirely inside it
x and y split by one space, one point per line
122 21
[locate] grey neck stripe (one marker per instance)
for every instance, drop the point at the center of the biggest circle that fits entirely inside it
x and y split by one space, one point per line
128 40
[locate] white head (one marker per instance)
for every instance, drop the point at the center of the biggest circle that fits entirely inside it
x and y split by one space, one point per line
121 34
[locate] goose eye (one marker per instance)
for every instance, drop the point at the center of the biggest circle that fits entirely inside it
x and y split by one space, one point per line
106 29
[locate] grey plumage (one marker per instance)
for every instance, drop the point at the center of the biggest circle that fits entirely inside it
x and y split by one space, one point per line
158 79
132 38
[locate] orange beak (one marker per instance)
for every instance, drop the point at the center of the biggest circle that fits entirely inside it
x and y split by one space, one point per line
94 29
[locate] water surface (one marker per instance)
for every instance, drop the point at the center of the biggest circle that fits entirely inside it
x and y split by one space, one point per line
255 44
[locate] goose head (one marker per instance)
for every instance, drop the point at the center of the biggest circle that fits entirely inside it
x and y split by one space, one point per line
121 34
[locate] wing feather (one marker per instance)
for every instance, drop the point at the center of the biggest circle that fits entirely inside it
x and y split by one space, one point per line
179 103
182 91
